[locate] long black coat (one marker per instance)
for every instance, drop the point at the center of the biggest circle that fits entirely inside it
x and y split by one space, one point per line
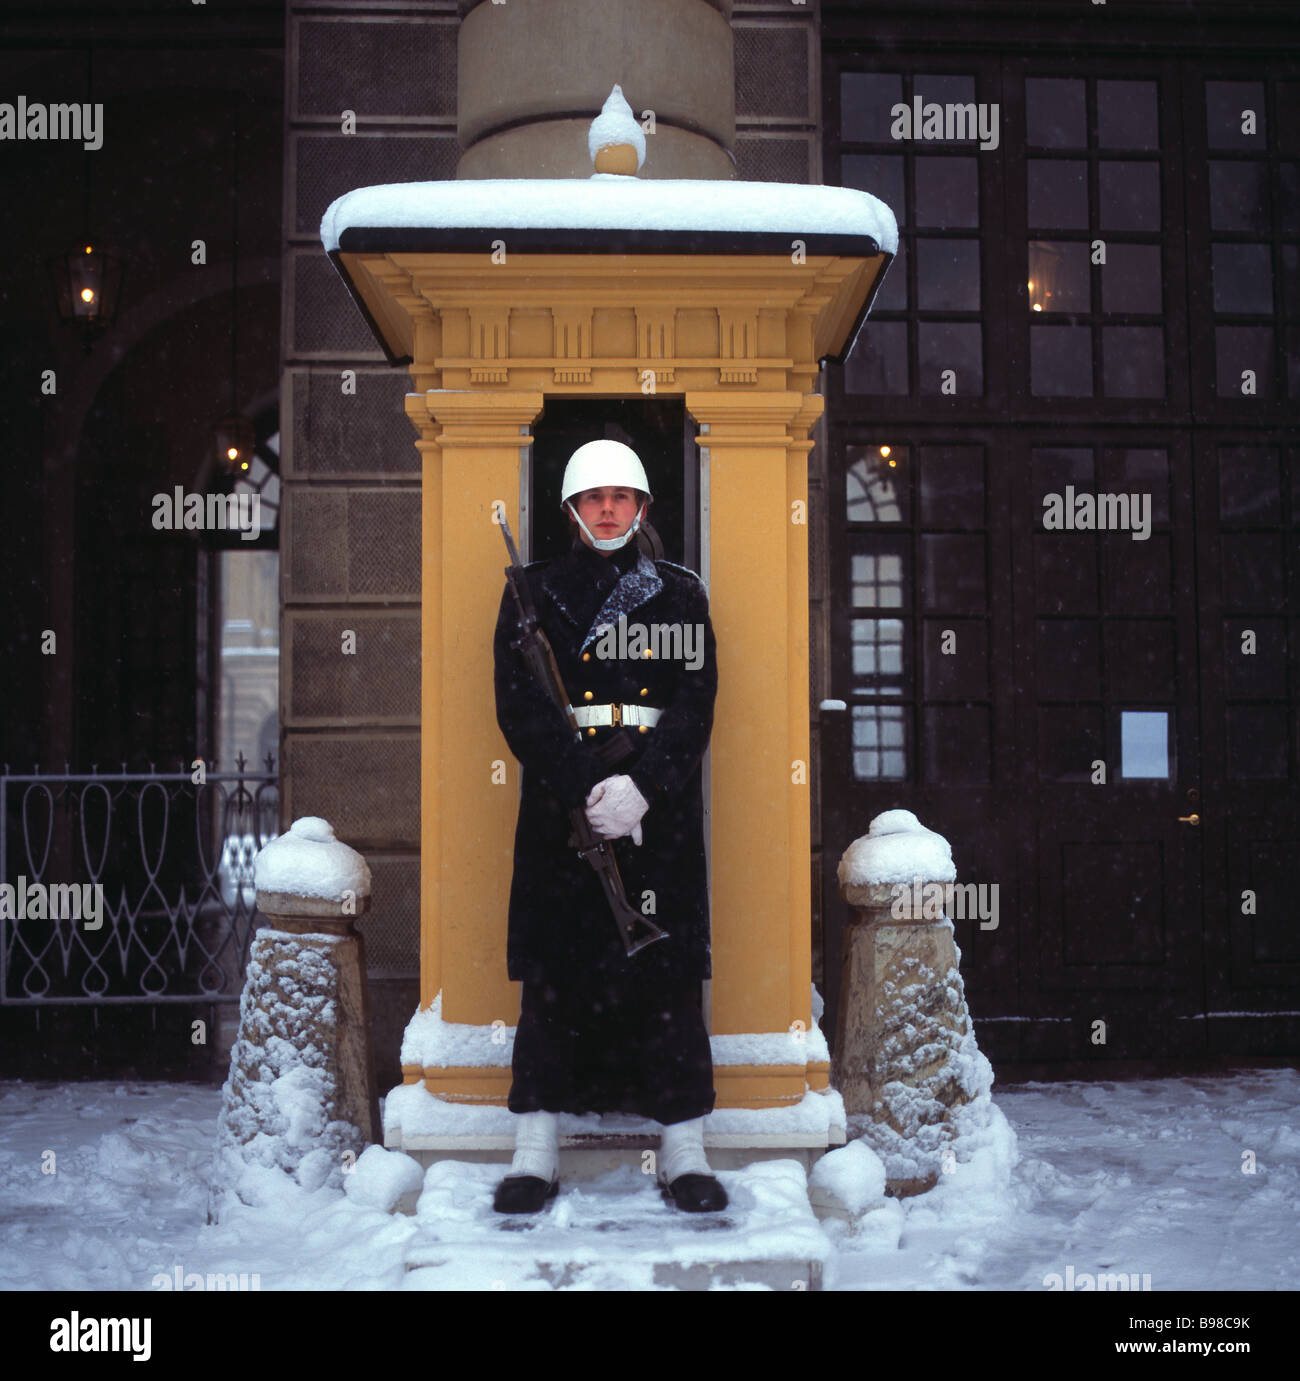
561 927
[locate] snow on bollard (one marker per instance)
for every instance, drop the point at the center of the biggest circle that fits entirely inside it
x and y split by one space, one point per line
301 1095
385 1180
847 1182
913 1080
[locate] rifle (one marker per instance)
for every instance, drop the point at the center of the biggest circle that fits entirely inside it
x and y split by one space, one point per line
598 852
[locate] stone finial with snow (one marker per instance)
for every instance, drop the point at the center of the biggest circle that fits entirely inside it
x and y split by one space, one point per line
615 141
897 847
309 861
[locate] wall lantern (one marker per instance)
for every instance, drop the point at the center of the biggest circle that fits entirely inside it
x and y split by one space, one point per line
87 286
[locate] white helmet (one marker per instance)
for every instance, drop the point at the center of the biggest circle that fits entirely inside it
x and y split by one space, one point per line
599 464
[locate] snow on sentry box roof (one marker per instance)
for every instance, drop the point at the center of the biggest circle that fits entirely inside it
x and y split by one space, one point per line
560 215
609 201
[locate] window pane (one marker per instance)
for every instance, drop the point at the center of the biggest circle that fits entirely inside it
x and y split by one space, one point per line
879 746
881 175
1234 115
1139 470
955 658
875 491
1238 349
878 361
948 275
1288 198
1056 466
1060 361
1291 278
1058 193
1065 570
877 647
865 102
1060 276
877 579
947 192
956 743
952 486
1144 744
952 572
945 88
950 358
1130 196
1239 197
1131 279
1055 113
1133 361
1287 95
1243 278
1127 116
1250 488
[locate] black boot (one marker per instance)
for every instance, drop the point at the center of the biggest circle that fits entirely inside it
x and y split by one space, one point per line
523 1194
696 1194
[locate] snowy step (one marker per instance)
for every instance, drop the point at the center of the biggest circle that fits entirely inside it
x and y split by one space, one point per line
616 1233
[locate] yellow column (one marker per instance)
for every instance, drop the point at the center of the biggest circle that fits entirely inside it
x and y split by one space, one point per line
760 805
469 789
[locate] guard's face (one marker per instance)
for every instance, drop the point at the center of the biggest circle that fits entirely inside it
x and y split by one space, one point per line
607 512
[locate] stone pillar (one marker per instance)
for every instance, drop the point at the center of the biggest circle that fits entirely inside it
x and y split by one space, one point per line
301 1092
905 1056
532 73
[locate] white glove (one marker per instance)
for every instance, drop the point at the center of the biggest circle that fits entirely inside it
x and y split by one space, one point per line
615 808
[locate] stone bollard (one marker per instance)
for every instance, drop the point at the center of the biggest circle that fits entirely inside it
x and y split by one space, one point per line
905 1055
301 1092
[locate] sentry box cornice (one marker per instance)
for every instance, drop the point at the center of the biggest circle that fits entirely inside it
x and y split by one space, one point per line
611 243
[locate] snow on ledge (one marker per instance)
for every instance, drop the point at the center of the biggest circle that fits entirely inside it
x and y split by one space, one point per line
896 848
431 1042
416 1119
308 861
609 201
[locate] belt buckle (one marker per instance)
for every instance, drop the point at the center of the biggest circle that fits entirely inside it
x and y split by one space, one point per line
616 713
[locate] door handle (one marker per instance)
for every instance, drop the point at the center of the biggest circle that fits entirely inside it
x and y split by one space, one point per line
1189 819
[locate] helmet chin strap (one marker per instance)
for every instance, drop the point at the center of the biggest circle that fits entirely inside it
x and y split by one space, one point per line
608 543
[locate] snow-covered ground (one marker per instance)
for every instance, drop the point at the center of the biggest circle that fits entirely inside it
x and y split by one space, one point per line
1136 1178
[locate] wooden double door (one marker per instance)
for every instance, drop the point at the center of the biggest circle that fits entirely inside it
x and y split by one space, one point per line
1097 703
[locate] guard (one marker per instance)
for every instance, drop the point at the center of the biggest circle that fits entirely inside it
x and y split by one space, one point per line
601 1030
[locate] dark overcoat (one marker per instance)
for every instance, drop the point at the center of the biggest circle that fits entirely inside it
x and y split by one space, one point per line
561 928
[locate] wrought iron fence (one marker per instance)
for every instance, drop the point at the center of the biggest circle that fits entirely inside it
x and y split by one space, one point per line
173 859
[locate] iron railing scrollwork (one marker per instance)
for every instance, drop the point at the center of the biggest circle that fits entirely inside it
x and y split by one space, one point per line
174 860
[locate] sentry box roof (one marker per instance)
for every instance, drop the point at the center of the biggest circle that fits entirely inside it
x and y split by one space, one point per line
611 214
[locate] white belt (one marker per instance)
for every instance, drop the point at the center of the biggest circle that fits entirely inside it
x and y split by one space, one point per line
610 716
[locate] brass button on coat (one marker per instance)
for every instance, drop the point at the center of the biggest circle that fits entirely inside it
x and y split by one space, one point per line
586 695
